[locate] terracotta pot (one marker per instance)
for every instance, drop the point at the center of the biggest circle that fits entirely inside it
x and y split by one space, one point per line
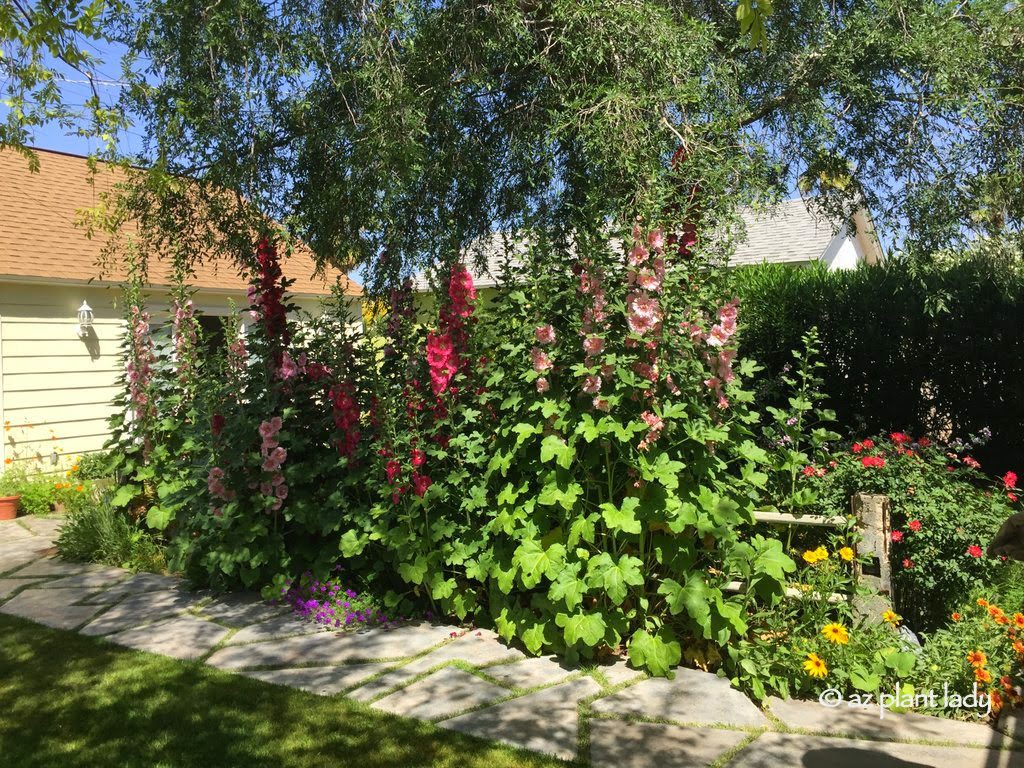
9 507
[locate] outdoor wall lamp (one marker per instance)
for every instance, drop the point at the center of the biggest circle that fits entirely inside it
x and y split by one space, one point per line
85 317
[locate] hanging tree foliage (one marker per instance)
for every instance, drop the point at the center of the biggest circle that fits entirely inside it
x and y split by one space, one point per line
394 133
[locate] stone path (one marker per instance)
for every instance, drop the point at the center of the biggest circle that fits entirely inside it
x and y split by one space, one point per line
607 716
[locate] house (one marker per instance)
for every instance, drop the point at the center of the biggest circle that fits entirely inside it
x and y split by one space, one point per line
56 383
788 233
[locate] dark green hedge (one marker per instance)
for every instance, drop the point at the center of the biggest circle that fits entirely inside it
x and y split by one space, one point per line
932 351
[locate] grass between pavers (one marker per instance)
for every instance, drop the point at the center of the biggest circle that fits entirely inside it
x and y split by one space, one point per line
70 700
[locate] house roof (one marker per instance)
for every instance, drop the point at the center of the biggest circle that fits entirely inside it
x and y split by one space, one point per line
787 233
41 240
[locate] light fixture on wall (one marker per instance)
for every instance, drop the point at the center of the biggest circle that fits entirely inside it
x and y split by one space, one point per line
84 319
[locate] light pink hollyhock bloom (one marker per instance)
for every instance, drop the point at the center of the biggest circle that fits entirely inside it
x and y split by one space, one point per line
267 431
592 385
653 421
647 371
640 324
541 361
545 334
722 402
270 465
288 367
277 479
713 383
276 423
648 280
656 239
217 473
638 255
543 385
601 404
281 492
586 282
644 305
266 489
279 454
718 336
593 345
276 506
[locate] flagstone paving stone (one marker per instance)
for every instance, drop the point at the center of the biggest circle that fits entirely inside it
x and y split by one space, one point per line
9 586
135 584
42 526
271 629
546 721
54 566
332 648
865 723
51 607
441 694
773 750
14 533
240 610
381 685
136 610
693 697
477 647
531 673
183 637
92 580
324 681
619 672
623 744
18 554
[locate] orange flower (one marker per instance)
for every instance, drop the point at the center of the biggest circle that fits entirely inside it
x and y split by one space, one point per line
983 602
977 658
1018 620
7 461
79 488
955 616
982 675
1018 648
1006 682
997 701
1002 619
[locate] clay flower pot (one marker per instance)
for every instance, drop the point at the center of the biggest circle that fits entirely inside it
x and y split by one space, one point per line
9 507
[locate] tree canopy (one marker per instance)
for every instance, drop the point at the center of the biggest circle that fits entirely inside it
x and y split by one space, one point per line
395 133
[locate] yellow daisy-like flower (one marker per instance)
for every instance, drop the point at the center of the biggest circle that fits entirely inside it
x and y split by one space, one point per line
836 633
815 666
1018 620
810 557
983 602
846 553
977 658
890 616
982 675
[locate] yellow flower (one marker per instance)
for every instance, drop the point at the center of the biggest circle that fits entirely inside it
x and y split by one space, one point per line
836 633
891 617
815 666
846 553
810 557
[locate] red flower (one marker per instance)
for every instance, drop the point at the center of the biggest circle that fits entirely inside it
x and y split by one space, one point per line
896 536
899 438
857 447
1012 496
418 457
914 525
217 424
974 551
393 469
868 443
908 563
873 461
924 442
1010 480
808 471
972 463
420 483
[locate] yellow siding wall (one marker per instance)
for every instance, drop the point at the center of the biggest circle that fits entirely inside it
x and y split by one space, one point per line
55 389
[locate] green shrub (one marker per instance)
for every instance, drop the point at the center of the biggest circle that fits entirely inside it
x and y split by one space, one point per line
97 533
929 351
95 466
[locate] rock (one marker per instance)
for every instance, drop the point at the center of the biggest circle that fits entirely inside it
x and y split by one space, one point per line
442 694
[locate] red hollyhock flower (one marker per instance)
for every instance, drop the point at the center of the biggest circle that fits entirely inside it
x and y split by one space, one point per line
914 525
908 563
1010 480
896 536
393 469
974 551
868 443
418 457
873 461
217 424
857 447
899 438
420 483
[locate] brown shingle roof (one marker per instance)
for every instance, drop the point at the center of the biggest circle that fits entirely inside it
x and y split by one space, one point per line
40 240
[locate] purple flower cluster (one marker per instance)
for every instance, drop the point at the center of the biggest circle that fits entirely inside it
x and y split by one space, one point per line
330 603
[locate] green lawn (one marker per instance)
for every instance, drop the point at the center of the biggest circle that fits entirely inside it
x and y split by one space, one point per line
67 700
